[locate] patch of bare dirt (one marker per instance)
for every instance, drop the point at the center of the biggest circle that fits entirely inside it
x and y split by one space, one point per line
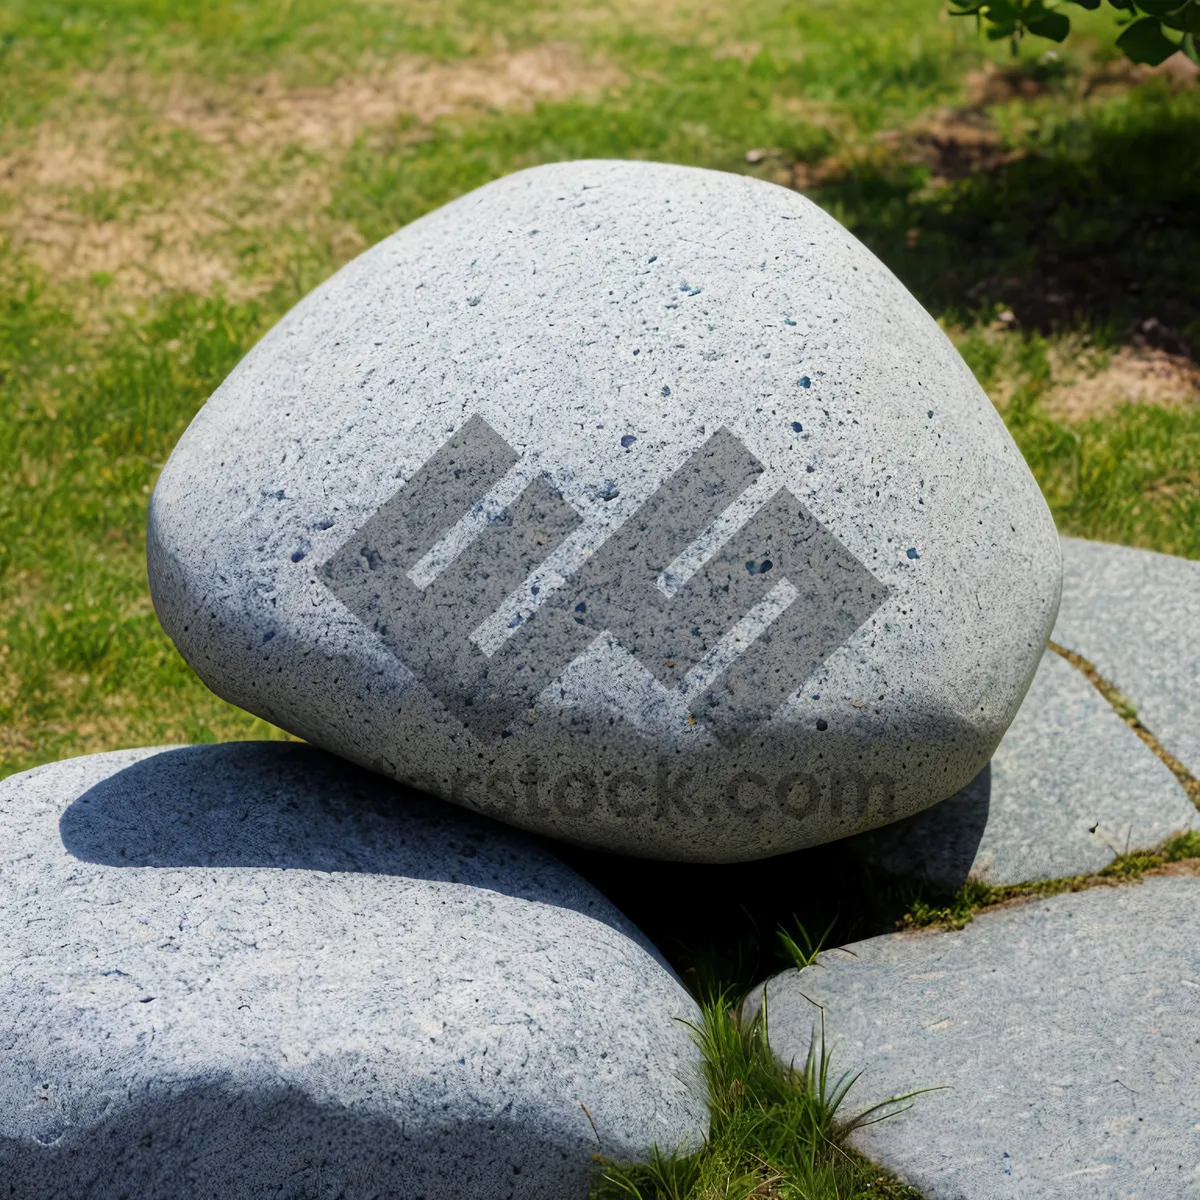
952 143
995 84
1131 376
1179 72
187 233
1185 867
956 142
1002 85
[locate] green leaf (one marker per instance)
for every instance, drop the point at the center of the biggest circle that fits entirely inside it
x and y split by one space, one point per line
1088 4
1003 12
1145 42
1051 25
1160 8
1186 20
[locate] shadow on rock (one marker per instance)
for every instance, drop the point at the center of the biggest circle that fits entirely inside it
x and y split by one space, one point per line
717 924
939 844
278 1132
292 807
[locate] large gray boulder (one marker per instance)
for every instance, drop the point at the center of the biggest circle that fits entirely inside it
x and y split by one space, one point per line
1066 1033
1135 616
635 504
1069 788
251 970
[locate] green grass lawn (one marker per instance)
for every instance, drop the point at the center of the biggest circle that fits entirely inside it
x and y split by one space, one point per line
173 176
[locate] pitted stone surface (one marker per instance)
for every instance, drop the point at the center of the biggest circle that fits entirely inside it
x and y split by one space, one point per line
1135 616
1069 788
1066 1029
630 503
253 970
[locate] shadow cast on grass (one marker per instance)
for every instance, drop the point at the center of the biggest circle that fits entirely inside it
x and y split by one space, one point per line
1094 221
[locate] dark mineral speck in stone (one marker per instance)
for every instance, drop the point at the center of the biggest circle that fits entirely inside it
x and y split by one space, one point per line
628 440
805 382
797 427
912 552
822 725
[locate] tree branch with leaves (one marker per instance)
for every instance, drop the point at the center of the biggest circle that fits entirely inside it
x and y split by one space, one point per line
1153 29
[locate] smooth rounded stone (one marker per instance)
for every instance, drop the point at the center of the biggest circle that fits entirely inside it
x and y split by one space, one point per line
1066 1031
634 504
253 970
1069 788
1135 616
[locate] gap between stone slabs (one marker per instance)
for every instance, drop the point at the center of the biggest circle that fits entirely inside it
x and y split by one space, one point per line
1128 713
1135 615
1067 1033
1068 790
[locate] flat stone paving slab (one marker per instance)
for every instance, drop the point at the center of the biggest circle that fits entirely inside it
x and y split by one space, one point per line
1135 615
253 970
1069 788
1067 1029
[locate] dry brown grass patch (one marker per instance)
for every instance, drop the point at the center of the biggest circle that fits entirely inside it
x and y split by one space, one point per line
269 116
86 196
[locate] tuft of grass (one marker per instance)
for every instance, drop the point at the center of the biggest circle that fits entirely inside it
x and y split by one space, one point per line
777 1131
954 911
799 947
1183 847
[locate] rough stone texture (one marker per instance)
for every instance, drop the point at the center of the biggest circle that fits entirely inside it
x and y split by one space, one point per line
1067 1029
450 520
1135 615
252 970
1069 788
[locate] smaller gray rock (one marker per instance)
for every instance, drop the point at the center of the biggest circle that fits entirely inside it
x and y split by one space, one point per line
1069 788
1066 1031
252 970
1135 616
